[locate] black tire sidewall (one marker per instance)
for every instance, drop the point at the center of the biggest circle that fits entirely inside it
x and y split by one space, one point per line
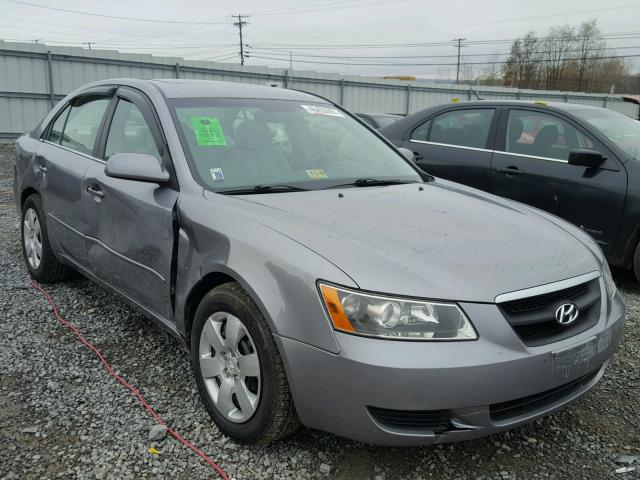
227 300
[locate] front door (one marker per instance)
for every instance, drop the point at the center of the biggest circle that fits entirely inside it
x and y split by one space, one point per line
131 237
530 165
456 145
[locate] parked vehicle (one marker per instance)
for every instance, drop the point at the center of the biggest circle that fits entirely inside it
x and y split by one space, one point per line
314 272
578 162
378 120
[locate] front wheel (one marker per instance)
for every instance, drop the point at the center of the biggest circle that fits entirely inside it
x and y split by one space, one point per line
238 369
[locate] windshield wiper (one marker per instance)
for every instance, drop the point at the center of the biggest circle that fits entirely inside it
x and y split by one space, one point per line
373 182
265 188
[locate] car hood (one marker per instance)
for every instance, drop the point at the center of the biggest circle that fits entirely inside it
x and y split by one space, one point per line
442 241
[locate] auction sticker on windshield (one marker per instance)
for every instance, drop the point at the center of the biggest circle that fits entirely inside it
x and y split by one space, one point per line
208 131
317 173
318 110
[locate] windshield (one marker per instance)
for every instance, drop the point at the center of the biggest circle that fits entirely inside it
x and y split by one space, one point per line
621 130
244 143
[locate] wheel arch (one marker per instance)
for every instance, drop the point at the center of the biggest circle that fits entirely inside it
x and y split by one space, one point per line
208 282
27 192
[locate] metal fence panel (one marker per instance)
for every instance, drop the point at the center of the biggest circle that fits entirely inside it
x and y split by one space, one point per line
32 76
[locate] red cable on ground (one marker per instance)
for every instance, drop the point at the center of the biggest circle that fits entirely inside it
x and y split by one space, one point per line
133 389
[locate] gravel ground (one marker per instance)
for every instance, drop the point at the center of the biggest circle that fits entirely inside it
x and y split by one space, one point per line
62 416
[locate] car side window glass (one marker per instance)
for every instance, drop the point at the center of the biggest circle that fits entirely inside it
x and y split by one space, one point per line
466 128
130 132
421 133
541 134
81 129
55 133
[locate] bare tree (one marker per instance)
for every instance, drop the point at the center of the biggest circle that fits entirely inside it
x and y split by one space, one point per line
565 59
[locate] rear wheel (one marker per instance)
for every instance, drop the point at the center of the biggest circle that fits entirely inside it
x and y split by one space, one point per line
238 369
38 256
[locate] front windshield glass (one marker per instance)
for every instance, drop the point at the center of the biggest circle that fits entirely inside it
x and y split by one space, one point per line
621 130
242 143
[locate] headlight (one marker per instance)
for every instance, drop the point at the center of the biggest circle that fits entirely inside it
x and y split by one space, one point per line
609 284
389 317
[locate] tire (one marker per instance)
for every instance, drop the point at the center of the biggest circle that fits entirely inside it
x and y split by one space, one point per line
266 412
636 263
36 249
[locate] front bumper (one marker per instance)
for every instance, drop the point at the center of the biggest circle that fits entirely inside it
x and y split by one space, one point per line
476 384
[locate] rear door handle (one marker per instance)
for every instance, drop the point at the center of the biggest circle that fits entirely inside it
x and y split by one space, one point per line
95 190
509 170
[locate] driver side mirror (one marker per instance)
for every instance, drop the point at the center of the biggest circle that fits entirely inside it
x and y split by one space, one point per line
583 157
408 154
136 166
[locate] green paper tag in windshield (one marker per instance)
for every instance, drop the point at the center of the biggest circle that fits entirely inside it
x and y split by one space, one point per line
208 131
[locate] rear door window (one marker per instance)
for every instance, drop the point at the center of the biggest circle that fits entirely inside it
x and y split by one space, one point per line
540 134
465 128
55 133
83 124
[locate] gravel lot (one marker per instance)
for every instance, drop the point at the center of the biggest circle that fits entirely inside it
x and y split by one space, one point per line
62 416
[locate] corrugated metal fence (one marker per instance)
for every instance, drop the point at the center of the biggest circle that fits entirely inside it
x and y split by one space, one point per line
33 77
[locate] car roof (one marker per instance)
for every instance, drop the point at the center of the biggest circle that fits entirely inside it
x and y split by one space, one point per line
521 103
182 88
185 88
389 115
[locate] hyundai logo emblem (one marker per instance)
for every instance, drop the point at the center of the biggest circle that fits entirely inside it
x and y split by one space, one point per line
567 313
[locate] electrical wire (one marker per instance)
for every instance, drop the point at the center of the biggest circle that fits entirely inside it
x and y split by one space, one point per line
544 60
280 52
115 17
122 381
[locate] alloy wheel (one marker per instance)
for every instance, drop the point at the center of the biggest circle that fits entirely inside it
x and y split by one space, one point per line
32 235
230 366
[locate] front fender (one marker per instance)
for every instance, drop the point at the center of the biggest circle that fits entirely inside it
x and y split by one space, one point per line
279 273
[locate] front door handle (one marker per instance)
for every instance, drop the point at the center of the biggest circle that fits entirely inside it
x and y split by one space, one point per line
95 190
417 156
509 170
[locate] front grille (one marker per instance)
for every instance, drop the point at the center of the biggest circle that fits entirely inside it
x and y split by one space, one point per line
533 318
435 420
539 301
521 406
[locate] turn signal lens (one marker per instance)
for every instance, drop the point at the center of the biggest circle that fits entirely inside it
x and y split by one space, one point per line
389 317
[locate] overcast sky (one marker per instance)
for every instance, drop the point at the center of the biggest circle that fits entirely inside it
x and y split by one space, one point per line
310 29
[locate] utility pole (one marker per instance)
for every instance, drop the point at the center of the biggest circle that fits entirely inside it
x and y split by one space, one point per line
240 23
459 46
290 60
89 44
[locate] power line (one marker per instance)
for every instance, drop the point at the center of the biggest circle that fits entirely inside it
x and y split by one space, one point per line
501 62
282 52
240 23
116 17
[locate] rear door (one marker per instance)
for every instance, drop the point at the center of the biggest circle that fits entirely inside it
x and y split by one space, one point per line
456 145
530 165
67 150
131 237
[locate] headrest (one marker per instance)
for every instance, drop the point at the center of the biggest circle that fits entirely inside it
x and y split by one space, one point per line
547 136
253 135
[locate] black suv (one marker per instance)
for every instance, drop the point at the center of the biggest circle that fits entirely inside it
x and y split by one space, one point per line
578 162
